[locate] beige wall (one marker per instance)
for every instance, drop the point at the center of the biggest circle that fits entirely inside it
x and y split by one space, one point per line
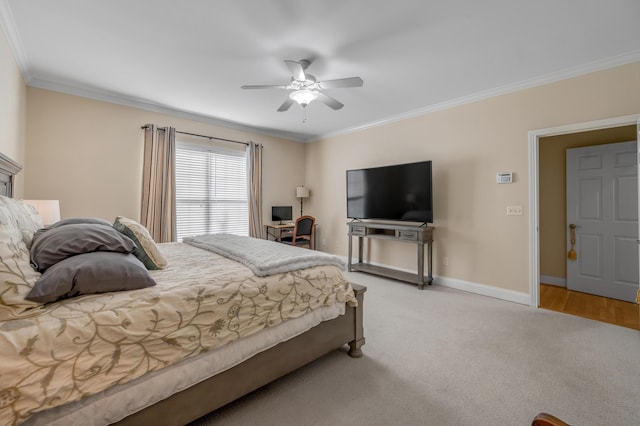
468 145
88 154
12 111
552 190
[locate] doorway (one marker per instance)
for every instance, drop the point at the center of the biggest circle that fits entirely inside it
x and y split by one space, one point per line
546 167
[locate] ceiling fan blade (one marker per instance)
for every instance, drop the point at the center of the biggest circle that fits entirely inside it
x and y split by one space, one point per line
285 105
341 82
297 70
264 86
329 101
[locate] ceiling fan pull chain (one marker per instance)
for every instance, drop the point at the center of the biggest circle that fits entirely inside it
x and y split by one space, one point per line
304 114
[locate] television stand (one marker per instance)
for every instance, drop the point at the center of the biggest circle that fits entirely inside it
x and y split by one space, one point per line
415 234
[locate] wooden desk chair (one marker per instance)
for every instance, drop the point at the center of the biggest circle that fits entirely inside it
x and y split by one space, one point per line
545 419
302 232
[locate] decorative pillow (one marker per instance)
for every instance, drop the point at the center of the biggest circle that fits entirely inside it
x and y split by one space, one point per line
17 277
59 243
146 249
22 216
90 273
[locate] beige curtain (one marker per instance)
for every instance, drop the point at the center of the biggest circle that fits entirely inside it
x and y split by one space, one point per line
158 209
254 181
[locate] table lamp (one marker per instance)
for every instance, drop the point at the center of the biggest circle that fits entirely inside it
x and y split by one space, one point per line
49 210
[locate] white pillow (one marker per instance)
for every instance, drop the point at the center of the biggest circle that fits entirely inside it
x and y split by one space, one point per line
146 249
17 277
23 217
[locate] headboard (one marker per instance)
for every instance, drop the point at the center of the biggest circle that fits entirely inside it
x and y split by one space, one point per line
8 169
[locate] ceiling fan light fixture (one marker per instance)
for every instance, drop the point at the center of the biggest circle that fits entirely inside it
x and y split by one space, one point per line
304 97
304 88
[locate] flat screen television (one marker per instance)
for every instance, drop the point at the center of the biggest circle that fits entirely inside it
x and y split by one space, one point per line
400 192
281 213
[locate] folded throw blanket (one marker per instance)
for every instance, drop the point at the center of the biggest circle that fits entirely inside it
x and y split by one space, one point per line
264 257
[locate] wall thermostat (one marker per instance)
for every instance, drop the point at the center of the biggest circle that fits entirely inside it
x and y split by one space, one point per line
504 177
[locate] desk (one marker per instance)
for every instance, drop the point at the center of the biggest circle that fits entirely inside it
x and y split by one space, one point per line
275 232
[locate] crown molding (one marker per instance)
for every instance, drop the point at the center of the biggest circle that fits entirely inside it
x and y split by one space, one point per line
7 22
589 68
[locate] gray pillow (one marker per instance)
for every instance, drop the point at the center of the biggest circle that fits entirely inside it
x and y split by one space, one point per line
97 272
72 221
76 220
61 242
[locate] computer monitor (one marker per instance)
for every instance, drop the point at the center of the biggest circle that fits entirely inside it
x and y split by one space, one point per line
281 213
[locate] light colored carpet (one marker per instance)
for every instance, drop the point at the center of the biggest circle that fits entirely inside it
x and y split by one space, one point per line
446 357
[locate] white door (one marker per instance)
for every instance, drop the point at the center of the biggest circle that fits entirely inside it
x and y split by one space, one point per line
602 203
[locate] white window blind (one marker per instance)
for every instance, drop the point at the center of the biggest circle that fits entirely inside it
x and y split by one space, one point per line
211 191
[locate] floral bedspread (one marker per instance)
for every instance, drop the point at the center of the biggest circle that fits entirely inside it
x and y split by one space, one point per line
82 346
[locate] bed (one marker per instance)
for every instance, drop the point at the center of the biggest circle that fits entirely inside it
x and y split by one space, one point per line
208 331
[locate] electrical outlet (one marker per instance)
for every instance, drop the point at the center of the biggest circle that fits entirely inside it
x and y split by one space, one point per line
514 210
445 260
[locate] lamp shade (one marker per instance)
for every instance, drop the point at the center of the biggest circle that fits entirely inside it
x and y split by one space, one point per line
302 192
49 210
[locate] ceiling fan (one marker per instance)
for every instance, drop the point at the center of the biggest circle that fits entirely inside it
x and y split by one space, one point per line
305 88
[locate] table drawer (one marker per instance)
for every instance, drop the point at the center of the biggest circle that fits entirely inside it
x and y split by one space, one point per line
408 235
358 230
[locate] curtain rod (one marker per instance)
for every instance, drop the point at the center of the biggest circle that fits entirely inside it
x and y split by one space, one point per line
202 136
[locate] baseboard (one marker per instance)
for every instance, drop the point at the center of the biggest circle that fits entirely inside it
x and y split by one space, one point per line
483 289
557 281
471 287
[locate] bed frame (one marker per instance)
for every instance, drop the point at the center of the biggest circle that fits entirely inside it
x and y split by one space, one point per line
264 367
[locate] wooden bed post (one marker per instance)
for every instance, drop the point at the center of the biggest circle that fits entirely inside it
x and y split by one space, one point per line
355 346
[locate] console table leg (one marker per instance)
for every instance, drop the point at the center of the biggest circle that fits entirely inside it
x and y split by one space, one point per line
349 258
430 261
420 266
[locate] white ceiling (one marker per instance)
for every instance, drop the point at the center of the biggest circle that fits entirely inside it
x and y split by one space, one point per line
191 57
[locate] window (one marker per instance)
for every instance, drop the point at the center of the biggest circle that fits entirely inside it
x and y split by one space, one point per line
211 191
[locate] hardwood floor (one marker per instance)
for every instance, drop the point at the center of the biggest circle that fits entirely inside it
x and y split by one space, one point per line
612 311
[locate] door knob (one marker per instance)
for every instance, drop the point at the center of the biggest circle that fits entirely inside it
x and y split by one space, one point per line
572 255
